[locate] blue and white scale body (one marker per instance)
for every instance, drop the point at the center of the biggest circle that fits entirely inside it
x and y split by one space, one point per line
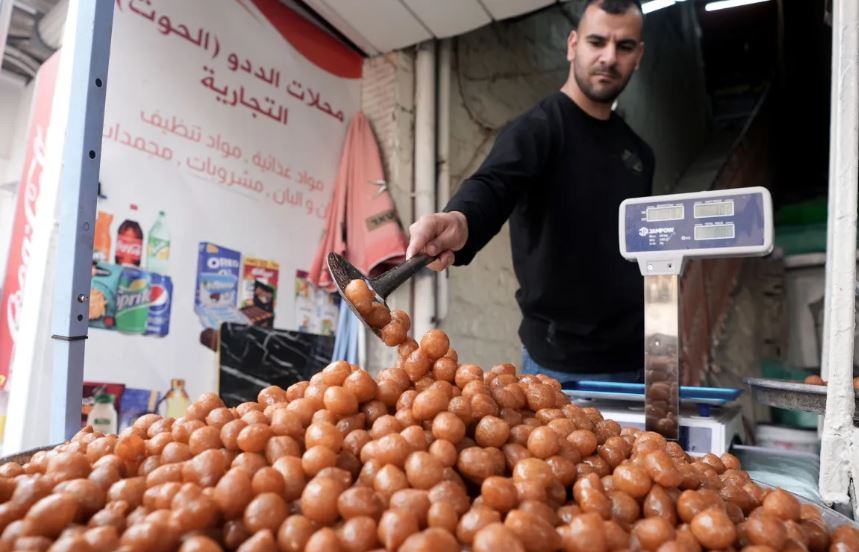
660 233
664 231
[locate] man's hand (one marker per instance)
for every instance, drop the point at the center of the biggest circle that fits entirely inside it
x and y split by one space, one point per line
438 234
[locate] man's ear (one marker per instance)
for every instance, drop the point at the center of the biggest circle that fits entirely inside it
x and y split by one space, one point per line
640 55
572 40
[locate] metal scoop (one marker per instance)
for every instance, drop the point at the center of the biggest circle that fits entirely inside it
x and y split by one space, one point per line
343 272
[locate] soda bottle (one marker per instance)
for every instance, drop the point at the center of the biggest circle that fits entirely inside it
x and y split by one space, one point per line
132 301
177 399
101 239
129 242
158 246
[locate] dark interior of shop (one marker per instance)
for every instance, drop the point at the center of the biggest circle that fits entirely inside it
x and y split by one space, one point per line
786 45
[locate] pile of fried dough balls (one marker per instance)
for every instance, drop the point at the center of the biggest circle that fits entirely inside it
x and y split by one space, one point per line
433 456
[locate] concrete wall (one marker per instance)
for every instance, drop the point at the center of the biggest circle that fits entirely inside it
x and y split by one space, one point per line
500 71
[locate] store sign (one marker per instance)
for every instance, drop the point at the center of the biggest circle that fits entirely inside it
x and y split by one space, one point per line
223 131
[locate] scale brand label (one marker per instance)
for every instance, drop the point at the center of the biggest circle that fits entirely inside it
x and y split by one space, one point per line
655 231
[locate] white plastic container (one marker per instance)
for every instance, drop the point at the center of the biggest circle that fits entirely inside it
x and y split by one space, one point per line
102 417
786 438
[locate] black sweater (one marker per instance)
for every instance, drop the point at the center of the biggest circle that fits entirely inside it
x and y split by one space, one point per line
559 175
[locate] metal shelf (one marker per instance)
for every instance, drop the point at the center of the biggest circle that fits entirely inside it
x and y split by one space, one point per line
792 395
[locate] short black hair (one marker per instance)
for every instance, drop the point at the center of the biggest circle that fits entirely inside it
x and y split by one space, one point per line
614 7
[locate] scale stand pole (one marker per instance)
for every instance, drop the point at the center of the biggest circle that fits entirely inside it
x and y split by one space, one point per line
662 354
661 233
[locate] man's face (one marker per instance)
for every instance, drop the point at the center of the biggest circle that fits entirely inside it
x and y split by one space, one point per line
605 51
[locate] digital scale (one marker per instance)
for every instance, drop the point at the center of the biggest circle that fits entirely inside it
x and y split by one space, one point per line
661 233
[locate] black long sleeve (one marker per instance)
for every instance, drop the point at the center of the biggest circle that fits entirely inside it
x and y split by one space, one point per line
516 161
559 176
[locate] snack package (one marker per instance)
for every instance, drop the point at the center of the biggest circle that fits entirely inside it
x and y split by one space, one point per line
217 277
259 283
103 290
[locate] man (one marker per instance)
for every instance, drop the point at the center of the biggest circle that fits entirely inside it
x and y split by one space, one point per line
559 173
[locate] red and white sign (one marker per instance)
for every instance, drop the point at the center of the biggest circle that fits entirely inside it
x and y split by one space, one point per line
11 300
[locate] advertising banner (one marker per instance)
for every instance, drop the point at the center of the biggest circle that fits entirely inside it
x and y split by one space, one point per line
223 129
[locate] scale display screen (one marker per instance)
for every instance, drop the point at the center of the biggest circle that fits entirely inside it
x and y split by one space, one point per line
698 224
663 213
714 209
716 232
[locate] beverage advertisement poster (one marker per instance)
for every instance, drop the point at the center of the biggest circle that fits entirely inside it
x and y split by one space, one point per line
223 131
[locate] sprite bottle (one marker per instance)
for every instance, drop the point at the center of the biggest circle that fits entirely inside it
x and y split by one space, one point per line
158 246
132 301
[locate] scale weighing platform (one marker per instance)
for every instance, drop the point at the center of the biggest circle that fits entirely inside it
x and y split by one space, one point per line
661 233
709 422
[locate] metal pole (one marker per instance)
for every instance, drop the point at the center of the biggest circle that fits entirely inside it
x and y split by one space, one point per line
662 354
425 126
838 448
443 164
91 21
